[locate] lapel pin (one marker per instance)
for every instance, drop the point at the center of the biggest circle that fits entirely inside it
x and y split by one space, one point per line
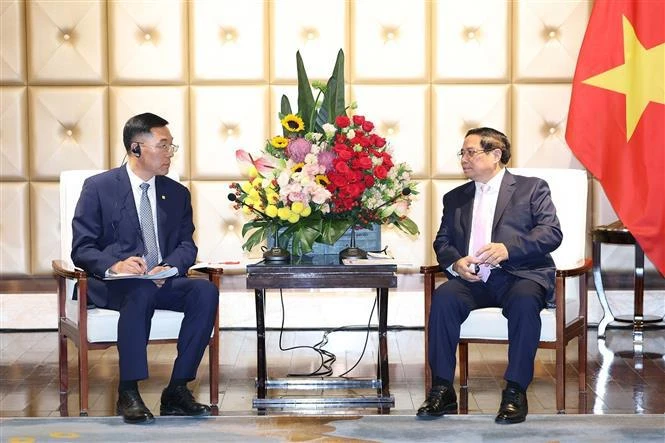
163 197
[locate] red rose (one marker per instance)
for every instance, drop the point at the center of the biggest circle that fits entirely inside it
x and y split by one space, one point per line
343 151
342 121
380 172
364 162
340 138
379 142
367 126
369 180
358 120
387 160
337 179
341 167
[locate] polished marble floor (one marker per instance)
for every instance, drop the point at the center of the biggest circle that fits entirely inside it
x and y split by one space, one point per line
622 377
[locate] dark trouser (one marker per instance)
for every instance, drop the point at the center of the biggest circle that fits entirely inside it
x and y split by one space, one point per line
521 301
136 300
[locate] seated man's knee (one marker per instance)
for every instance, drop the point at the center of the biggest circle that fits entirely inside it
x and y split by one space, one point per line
208 293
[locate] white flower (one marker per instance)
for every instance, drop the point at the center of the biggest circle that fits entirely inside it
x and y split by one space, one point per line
351 133
329 129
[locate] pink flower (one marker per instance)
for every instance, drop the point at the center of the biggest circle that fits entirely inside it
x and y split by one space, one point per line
298 148
325 159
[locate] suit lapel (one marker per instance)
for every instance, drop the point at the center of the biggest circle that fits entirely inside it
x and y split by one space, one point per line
467 212
161 195
506 191
126 198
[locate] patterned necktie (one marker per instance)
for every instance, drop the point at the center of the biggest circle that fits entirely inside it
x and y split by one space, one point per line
478 228
148 228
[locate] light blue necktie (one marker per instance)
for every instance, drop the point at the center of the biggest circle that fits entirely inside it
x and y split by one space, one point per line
148 228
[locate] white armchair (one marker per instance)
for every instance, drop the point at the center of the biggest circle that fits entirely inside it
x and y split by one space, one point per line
560 325
96 328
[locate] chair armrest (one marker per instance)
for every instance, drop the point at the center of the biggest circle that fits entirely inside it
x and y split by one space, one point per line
64 269
214 274
581 267
430 269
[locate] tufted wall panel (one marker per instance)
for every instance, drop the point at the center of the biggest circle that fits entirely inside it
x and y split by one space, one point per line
71 73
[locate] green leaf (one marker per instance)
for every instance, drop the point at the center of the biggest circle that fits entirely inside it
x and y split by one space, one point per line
337 99
258 236
332 230
407 225
306 102
285 110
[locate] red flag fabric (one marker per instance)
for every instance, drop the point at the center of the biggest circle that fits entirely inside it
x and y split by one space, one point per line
616 120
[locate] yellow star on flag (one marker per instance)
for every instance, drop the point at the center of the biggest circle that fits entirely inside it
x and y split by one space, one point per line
641 78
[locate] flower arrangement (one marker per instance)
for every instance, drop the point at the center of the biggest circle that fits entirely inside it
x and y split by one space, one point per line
327 172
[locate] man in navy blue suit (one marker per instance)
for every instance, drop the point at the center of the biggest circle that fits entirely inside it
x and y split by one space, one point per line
135 220
494 243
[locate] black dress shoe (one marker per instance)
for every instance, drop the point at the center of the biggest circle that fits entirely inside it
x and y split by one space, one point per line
180 401
514 407
440 400
130 405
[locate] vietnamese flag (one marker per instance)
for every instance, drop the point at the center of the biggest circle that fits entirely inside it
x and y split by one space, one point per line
616 121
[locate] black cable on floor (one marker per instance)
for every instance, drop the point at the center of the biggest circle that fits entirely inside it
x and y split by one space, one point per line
327 357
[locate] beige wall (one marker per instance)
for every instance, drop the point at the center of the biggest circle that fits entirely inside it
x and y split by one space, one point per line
72 72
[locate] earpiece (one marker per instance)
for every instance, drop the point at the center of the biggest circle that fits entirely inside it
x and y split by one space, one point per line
136 150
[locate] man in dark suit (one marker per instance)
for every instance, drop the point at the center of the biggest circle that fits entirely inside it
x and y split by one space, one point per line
135 220
494 243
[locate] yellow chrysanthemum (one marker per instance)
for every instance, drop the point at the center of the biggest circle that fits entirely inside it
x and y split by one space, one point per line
293 123
293 218
322 180
284 213
271 211
279 142
297 207
306 212
297 167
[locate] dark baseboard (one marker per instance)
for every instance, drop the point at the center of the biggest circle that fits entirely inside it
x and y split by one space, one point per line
612 280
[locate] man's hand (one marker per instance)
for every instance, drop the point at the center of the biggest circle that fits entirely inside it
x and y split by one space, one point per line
130 265
463 268
156 270
492 254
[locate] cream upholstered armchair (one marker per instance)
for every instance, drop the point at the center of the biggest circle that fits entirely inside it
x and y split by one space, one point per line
560 325
96 328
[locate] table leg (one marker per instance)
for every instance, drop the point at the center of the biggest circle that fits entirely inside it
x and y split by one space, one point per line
261 371
638 320
608 317
382 367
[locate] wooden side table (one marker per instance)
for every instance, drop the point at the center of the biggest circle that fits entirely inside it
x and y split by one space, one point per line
323 271
616 233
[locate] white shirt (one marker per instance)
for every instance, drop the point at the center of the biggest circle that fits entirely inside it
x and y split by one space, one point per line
488 207
136 182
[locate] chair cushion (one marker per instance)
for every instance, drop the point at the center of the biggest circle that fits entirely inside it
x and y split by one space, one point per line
490 324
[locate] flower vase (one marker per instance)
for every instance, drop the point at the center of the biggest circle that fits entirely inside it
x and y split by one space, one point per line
352 251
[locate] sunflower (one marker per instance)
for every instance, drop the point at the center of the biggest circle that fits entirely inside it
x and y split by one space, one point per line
293 123
279 142
297 167
322 180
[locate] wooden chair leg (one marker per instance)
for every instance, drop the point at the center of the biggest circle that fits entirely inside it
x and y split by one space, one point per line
62 364
582 363
560 377
464 377
83 380
214 366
